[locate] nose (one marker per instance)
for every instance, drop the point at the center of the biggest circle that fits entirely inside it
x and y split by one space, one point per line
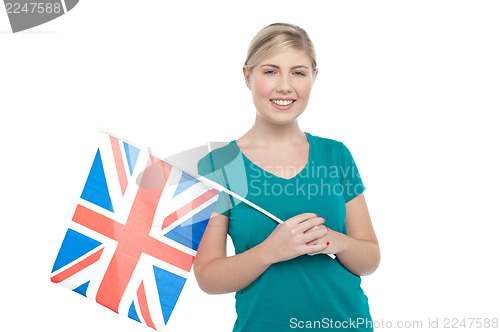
283 85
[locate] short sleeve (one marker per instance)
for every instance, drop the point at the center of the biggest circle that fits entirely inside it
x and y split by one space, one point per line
223 204
350 179
205 168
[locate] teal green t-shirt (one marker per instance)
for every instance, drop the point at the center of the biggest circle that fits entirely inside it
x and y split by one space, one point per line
309 292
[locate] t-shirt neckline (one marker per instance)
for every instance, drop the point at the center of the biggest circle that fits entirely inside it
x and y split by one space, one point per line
309 158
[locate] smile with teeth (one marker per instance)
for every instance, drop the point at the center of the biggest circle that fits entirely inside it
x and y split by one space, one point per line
282 102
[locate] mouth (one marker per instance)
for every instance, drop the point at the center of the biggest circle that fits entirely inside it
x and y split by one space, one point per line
282 102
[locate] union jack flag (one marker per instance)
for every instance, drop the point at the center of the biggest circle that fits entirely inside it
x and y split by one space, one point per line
135 232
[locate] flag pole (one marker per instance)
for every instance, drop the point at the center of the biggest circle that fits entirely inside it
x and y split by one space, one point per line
208 182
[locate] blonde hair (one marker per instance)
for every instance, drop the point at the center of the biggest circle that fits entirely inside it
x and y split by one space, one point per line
276 38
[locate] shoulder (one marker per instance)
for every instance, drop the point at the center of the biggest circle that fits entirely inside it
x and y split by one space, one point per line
218 158
331 151
327 145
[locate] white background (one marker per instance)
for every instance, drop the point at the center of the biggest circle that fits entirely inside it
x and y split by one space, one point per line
411 87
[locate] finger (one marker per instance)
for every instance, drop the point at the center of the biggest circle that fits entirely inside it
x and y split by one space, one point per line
313 242
301 218
316 228
315 235
310 223
316 249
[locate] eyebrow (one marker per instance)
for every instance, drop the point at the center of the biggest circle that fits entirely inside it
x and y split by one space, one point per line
277 67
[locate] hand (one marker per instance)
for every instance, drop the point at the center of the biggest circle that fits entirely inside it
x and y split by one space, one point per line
295 237
332 240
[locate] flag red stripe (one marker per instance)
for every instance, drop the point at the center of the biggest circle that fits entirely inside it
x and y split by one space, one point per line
77 267
143 304
168 254
136 239
120 167
133 240
174 216
98 223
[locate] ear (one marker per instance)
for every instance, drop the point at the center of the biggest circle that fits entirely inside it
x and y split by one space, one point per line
315 74
246 74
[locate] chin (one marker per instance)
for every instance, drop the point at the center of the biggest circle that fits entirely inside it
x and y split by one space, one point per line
280 119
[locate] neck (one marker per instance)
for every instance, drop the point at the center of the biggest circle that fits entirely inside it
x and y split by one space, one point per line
266 134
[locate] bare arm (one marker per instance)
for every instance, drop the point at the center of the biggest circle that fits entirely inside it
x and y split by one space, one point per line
358 251
217 273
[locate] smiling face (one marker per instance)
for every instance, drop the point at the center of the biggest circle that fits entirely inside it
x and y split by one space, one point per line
281 86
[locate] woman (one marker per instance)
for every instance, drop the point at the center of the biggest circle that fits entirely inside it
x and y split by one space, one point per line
281 278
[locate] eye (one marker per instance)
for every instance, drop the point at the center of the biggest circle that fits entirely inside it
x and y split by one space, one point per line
268 72
299 73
